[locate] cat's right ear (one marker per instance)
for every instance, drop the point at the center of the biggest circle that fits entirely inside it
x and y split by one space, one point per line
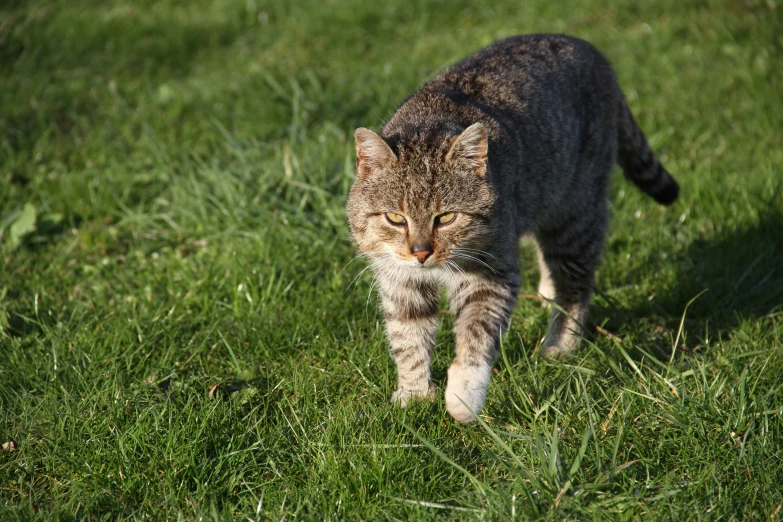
372 152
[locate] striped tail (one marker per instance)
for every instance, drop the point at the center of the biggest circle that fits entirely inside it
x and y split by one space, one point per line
638 161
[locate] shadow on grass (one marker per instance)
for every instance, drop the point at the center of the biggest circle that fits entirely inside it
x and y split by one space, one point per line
740 274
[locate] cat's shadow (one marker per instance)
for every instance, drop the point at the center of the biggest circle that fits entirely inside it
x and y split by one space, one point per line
726 279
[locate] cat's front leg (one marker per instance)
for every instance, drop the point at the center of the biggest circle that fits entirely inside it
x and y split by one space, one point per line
482 308
411 312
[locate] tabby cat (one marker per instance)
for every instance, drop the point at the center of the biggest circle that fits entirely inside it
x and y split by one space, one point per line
517 140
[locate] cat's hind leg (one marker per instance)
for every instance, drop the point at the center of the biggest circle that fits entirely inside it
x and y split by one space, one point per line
571 255
546 285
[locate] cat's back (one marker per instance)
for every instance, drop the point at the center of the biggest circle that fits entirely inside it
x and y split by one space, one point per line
528 56
522 74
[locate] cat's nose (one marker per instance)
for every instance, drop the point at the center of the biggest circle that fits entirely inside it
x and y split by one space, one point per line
422 252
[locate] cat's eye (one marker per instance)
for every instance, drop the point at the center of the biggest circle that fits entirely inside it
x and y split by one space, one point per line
395 219
445 219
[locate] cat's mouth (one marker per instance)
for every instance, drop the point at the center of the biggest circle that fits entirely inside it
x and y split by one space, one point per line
413 262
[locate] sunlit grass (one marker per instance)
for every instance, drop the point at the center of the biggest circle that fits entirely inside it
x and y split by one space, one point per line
178 337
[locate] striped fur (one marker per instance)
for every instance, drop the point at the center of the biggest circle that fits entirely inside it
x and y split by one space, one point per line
515 141
482 308
639 163
410 308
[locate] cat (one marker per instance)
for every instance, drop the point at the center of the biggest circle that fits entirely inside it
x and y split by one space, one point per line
517 140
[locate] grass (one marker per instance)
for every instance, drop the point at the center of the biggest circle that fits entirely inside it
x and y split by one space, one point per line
178 333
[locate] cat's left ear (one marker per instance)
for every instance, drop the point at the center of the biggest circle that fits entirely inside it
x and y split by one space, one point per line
372 152
470 148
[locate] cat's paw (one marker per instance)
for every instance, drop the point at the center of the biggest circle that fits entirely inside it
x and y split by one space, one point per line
466 390
404 395
553 351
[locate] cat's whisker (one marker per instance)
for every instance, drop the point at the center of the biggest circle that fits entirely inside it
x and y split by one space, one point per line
357 278
459 271
369 296
349 262
457 267
447 266
462 255
373 263
475 251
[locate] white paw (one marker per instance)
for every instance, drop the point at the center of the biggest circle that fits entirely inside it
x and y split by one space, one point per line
466 390
403 395
553 351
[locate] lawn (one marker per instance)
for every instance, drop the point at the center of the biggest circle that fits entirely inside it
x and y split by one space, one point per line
183 333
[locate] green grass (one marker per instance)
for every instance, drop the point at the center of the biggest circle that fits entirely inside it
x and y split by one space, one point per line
177 334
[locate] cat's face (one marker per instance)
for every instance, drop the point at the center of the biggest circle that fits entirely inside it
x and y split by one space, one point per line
419 207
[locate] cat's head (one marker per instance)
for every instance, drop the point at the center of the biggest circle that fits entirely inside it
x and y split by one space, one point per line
415 206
